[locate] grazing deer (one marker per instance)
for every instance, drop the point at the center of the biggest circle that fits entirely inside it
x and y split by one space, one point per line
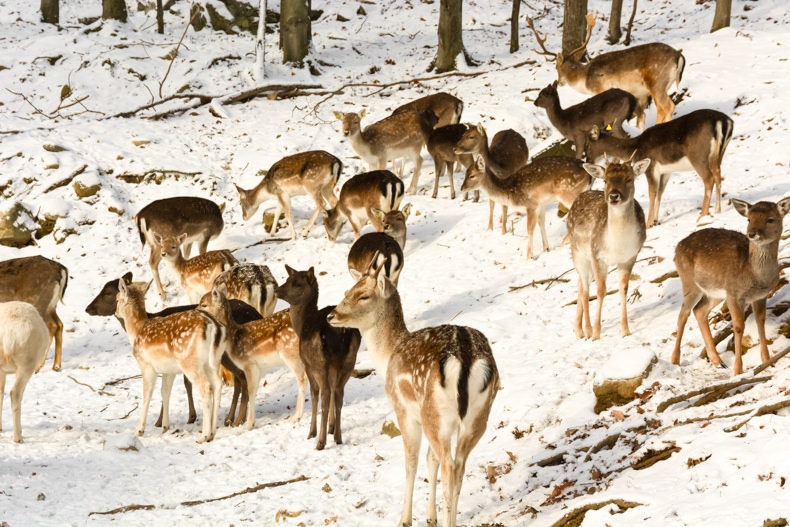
197 274
607 110
605 229
199 218
380 189
544 181
314 173
41 282
441 147
440 380
189 342
106 304
258 346
328 353
24 341
385 247
399 135
645 71
250 283
692 142
447 108
720 264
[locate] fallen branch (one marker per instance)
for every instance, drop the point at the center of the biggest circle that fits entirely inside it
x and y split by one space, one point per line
594 297
767 409
533 283
82 383
119 381
65 181
125 508
770 362
127 415
576 516
708 389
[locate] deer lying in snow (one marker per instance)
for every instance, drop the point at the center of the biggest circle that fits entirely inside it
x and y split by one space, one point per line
385 247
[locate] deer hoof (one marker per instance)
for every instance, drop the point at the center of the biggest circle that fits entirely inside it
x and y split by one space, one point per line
56 367
320 445
19 440
192 419
165 429
139 432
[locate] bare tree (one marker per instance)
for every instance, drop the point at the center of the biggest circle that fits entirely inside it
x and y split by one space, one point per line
451 42
114 9
574 25
721 18
614 22
514 26
294 29
260 42
160 18
50 11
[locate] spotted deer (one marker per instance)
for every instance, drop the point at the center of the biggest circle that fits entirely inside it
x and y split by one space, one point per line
720 264
386 247
606 228
441 381
199 218
250 283
314 173
41 282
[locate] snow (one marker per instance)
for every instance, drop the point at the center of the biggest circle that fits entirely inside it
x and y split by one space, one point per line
77 423
626 364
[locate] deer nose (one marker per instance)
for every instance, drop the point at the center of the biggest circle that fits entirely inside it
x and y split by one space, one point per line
345 133
753 234
614 198
330 317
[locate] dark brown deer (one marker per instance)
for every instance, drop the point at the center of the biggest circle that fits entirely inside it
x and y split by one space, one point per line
386 247
441 147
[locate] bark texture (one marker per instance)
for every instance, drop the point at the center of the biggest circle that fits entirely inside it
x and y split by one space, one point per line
50 11
721 18
450 37
294 29
114 9
574 25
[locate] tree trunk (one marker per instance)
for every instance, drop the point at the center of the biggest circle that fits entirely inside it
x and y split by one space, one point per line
721 18
574 25
514 26
114 9
294 30
260 43
614 22
451 42
160 18
50 11
627 41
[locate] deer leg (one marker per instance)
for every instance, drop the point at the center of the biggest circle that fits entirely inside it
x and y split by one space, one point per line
639 112
625 275
58 334
167 387
276 220
664 106
337 399
285 203
578 145
190 401
710 181
583 300
662 184
244 402
416 177
149 379
153 261
206 402
689 301
450 165
701 311
438 168
319 206
433 475
542 224
22 378
330 427
736 311
531 220
234 401
215 387
758 306
491 206
2 391
599 270
411 432
253 374
503 219
314 401
653 181
297 367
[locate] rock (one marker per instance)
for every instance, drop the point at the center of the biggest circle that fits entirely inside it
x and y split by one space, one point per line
86 185
618 379
124 443
17 225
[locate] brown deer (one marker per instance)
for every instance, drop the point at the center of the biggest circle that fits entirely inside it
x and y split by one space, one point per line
250 283
258 346
24 341
441 147
41 282
197 274
720 264
380 189
189 342
606 228
314 173
199 218
692 142
607 110
544 181
440 380
645 71
328 353
447 108
385 247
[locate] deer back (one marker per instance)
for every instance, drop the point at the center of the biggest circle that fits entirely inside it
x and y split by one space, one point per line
606 108
197 217
34 279
508 151
398 135
446 107
250 283
380 189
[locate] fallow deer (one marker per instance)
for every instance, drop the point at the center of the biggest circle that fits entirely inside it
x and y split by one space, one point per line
250 283
41 282
386 247
314 173
720 264
645 71
328 353
189 342
544 181
447 108
441 147
24 341
606 228
607 110
199 218
692 142
440 380
197 274
380 189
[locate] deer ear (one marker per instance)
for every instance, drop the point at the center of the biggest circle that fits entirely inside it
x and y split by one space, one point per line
290 270
406 210
311 273
554 84
480 163
362 113
148 285
741 206
378 212
784 206
127 278
157 237
595 133
641 166
122 287
480 128
595 171
339 115
182 238
356 275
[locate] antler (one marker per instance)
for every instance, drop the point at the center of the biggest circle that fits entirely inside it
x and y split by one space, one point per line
540 41
590 23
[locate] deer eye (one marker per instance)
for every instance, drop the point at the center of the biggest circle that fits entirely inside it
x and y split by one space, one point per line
363 298
770 220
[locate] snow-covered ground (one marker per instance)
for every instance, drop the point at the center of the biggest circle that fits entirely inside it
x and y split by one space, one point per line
79 423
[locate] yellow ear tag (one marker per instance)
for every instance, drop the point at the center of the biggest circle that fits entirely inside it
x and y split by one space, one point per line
608 128
128 282
221 207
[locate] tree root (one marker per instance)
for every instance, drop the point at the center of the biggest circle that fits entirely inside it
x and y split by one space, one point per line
576 516
767 409
717 388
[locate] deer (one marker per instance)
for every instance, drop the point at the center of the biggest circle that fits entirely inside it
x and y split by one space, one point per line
721 264
606 228
189 342
441 381
41 282
199 218
24 342
256 346
328 353
544 181
250 283
695 141
314 173
606 110
197 274
106 303
441 147
380 189
386 247
645 71
447 108
399 135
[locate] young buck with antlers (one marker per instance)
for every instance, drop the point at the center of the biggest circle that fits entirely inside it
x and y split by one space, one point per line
199 218
41 282
692 142
189 342
609 109
544 181
720 264
645 71
250 283
605 229
440 380
314 173
386 247
380 189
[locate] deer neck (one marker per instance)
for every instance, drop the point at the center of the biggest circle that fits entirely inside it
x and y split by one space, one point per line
303 312
134 317
359 142
764 264
400 239
575 75
555 112
383 339
502 191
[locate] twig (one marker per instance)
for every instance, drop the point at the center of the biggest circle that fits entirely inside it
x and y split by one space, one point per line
82 383
708 389
175 51
65 181
594 297
537 282
125 508
119 381
770 362
767 409
136 405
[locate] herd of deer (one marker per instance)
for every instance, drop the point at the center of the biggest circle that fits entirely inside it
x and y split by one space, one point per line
441 380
